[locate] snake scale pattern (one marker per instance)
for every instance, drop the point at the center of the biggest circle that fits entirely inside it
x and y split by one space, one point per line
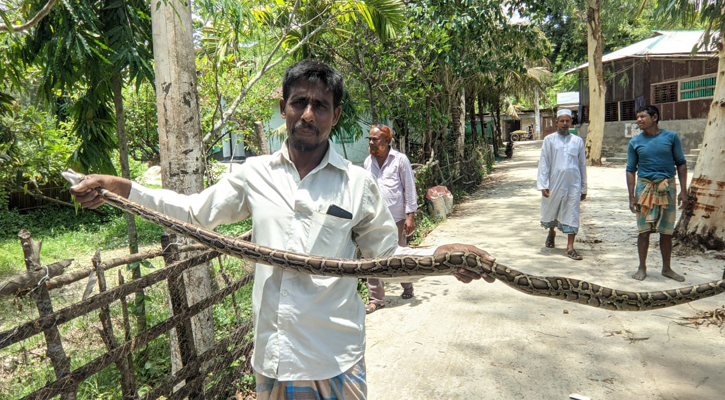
561 288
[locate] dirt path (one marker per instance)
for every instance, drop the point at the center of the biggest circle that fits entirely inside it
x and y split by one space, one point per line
487 341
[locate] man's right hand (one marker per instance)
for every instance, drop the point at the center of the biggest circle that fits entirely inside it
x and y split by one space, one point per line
462 274
545 192
86 195
633 205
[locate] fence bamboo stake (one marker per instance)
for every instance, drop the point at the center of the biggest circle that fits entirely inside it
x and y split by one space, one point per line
64 315
22 283
180 305
61 362
127 332
143 338
84 271
128 386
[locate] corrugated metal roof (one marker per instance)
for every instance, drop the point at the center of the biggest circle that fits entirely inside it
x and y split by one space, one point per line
663 44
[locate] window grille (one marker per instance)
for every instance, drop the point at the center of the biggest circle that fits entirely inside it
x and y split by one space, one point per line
627 111
665 93
610 112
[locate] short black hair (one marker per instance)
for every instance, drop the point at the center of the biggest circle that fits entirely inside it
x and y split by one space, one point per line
651 110
314 71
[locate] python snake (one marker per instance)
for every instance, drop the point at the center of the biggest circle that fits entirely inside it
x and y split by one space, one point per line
561 288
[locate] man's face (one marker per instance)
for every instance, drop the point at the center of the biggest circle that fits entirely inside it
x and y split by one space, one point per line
377 142
309 114
563 123
645 121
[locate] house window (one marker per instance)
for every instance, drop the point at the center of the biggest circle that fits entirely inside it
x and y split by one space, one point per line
610 112
627 111
665 93
699 88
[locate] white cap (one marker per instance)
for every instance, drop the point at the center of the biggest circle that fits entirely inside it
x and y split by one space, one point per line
563 111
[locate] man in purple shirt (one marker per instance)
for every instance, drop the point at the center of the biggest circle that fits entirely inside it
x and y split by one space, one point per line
397 185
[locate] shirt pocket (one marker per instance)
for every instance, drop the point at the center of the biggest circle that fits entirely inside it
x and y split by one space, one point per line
391 172
572 151
328 235
390 185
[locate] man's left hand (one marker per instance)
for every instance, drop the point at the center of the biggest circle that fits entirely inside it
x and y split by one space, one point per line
462 274
584 196
682 200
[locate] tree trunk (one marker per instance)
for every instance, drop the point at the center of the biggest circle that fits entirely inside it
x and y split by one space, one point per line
458 118
140 309
537 116
373 105
480 116
702 225
472 117
597 89
402 132
261 138
428 138
180 138
369 90
497 136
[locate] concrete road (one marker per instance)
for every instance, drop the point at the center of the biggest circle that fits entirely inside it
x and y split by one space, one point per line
488 341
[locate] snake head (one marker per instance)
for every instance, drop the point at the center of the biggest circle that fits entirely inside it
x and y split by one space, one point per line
73 177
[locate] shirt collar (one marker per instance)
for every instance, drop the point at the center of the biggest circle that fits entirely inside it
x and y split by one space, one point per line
331 157
392 154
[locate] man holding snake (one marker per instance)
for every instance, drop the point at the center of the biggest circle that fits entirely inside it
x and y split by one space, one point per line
309 330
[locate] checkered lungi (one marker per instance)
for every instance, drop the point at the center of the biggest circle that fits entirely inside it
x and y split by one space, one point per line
350 385
659 218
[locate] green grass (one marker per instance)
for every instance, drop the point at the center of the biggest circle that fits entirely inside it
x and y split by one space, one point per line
424 223
69 234
66 234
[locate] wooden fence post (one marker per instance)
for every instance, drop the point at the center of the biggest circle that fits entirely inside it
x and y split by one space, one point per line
61 362
127 330
179 304
125 365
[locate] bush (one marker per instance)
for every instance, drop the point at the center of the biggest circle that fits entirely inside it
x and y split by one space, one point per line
33 149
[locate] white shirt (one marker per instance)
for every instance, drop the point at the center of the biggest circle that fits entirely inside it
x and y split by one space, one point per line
306 327
397 183
562 170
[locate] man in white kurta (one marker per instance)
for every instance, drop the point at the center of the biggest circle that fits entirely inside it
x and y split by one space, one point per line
562 180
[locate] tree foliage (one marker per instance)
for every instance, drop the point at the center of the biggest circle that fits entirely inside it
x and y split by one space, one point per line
78 47
706 14
404 62
33 149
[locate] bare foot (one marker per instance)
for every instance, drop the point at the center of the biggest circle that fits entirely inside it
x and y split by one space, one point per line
673 275
640 275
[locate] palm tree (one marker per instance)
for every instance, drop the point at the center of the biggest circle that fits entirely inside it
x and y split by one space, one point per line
523 72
